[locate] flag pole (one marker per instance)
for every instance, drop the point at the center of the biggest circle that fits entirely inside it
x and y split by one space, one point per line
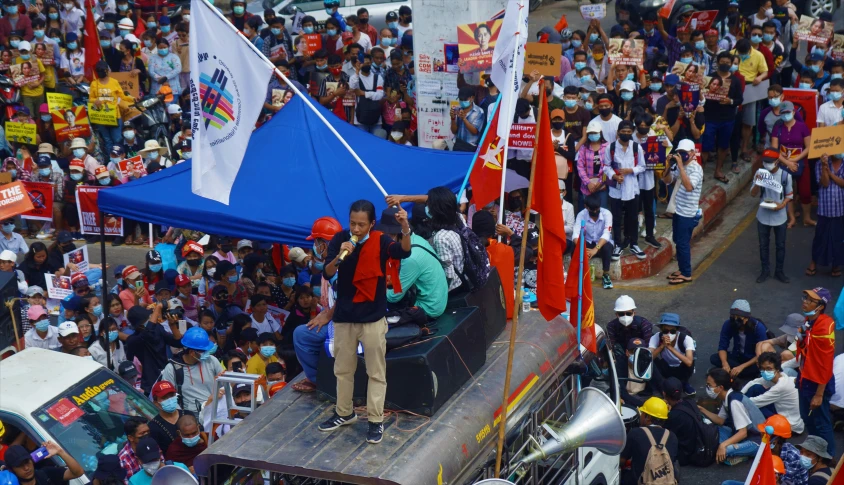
836 471
477 152
580 293
514 324
298 93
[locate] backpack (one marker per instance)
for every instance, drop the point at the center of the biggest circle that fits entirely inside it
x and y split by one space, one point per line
368 111
611 182
476 266
659 470
706 439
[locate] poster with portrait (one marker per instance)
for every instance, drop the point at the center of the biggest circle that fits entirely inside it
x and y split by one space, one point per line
58 287
452 56
71 123
691 73
44 53
815 30
24 73
837 46
702 20
655 153
130 167
689 97
627 52
79 257
282 96
717 89
475 44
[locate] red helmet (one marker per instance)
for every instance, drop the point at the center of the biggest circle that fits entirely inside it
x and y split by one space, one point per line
325 228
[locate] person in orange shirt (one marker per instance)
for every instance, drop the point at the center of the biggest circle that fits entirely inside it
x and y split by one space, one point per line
501 256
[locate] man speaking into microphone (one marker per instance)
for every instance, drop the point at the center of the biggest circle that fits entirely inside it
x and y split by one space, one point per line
362 259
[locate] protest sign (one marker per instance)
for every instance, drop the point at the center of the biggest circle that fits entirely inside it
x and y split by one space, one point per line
425 64
544 58
717 88
655 152
522 135
689 96
452 55
24 73
17 132
129 166
313 43
756 93
41 196
106 114
814 30
44 53
89 213
594 11
297 21
128 82
13 200
665 10
58 287
626 52
767 180
79 257
57 101
277 313
837 46
702 20
71 123
805 102
283 96
475 43
691 73
826 140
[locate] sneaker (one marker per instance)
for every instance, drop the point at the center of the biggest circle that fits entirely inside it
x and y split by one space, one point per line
616 253
607 282
638 252
763 276
653 242
782 277
689 390
375 433
336 421
735 460
118 241
77 236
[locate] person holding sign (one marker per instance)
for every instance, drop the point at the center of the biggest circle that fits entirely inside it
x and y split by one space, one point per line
815 64
754 68
791 137
33 89
832 112
827 249
772 213
721 116
106 94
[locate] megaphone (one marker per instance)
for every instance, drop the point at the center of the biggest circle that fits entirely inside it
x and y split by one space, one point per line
173 475
596 423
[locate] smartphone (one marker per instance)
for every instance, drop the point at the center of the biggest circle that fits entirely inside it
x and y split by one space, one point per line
139 284
183 326
237 366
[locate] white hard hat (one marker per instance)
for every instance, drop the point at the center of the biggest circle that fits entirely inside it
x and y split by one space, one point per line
126 24
624 303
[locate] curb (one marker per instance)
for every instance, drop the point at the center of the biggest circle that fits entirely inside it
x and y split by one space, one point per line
712 202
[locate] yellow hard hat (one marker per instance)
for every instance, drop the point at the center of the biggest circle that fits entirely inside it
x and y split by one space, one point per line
2 429
655 407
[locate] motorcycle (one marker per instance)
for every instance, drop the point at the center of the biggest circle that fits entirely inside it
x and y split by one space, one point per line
153 122
10 97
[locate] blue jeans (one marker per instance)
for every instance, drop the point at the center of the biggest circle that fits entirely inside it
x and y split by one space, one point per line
308 344
758 390
742 448
683 227
112 135
819 423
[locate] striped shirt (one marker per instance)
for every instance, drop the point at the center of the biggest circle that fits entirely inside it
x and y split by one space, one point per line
830 199
688 201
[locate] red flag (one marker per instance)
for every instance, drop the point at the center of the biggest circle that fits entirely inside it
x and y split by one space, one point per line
837 476
550 284
93 51
763 472
485 178
587 323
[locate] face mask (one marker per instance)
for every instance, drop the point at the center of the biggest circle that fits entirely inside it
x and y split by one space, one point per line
787 117
237 11
835 95
76 176
465 104
124 32
769 166
598 57
44 172
733 68
42 325
806 462
755 39
12 10
53 16
686 60
588 106
97 310
626 95
630 76
191 442
711 393
119 281
566 45
232 279
331 32
768 375
112 335
123 7
584 96
39 34
150 25
8 228
672 337
769 12
78 152
594 137
625 137
46 118
396 135
153 155
163 52
392 25
767 38
579 65
812 313
700 45
815 68
129 135
584 79
576 43
835 75
148 44
288 282
307 30
626 320
165 29
319 265
13 173
605 111
643 130
656 86
267 350
774 102
558 125
104 180
593 37
209 353
631 359
805 86
155 268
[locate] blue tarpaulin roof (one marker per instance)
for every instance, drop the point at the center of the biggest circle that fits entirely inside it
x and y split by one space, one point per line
295 171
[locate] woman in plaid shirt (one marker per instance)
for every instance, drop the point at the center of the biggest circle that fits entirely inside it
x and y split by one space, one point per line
588 160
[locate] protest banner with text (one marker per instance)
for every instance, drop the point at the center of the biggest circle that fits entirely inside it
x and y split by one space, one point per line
41 197
89 213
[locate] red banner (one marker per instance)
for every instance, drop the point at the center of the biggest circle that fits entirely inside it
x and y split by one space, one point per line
806 102
13 200
41 196
89 213
702 20
522 135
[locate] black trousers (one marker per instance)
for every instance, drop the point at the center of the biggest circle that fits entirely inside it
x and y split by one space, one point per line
605 253
646 198
625 219
765 245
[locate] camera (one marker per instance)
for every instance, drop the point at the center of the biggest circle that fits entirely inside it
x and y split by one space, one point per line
672 160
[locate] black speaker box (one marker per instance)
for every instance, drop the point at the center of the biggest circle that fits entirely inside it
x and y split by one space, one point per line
490 301
9 289
422 376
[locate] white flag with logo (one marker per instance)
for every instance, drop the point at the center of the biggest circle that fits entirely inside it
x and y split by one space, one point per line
228 86
508 60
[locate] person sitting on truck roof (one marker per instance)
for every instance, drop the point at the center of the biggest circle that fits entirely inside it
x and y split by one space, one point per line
257 364
151 460
69 337
673 352
626 325
149 342
42 335
745 331
652 416
163 427
501 256
19 461
136 430
194 369
191 442
635 392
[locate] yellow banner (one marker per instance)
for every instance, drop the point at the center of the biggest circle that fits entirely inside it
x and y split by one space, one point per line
21 132
106 115
59 101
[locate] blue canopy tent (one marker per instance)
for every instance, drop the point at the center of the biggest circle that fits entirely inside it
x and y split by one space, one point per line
295 171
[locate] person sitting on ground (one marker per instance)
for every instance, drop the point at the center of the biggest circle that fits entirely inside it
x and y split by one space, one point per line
745 331
815 459
191 442
257 364
774 392
786 341
42 335
626 325
640 441
673 352
597 233
683 419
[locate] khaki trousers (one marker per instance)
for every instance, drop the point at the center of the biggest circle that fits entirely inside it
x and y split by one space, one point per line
346 338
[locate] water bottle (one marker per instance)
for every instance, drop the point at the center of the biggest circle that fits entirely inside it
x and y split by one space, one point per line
525 301
593 266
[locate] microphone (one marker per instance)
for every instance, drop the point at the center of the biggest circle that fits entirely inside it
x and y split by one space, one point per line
345 253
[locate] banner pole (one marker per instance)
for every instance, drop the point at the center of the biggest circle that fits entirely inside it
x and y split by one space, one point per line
580 292
107 345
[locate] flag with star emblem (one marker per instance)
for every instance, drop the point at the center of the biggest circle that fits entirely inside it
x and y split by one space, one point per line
486 174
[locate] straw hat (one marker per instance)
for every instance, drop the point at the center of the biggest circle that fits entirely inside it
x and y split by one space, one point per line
151 146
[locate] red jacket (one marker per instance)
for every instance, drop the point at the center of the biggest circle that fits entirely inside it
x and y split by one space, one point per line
24 25
816 355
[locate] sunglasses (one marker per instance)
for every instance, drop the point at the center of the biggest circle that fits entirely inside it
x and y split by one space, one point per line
672 331
624 314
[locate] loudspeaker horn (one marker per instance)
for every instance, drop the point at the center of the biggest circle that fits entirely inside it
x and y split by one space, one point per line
596 423
172 475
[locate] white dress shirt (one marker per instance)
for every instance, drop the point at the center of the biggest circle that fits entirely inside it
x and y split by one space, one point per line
629 187
594 231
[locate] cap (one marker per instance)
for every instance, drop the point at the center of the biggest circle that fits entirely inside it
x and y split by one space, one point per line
44 108
558 113
131 272
147 450
161 286
35 312
104 34
117 151
628 85
815 444
78 279
792 323
388 223
153 256
624 303
786 107
174 109
593 127
127 370
192 247
672 319
165 20
244 243
740 308
101 172
7 255
77 165
73 303
16 456
34 290
67 328
671 80
686 47
392 16
64 237
249 334
108 466
71 36
138 315
24 46
635 343
297 254
673 388
686 145
770 155
815 56
163 388
173 303
44 160
818 293
182 280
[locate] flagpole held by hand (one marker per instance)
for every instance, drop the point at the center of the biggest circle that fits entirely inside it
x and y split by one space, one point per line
478 151
580 290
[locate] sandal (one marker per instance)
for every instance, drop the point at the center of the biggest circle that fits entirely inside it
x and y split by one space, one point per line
665 215
674 275
836 272
723 179
679 280
811 271
304 386
735 167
